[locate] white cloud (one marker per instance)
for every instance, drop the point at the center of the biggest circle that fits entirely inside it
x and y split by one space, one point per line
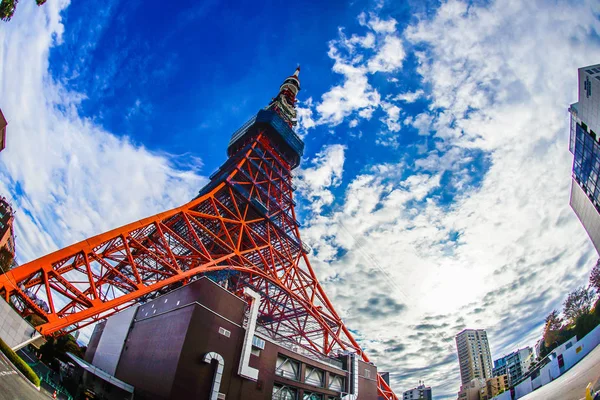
315 182
389 57
392 115
422 122
305 116
355 96
410 97
377 24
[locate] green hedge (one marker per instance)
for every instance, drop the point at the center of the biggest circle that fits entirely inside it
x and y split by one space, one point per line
20 364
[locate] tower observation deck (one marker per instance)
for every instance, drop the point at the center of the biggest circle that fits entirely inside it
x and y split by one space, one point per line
241 230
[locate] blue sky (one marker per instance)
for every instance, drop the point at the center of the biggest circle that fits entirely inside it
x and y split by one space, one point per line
436 174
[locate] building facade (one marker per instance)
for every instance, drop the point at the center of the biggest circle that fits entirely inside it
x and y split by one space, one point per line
583 143
474 355
421 392
515 365
493 387
199 342
471 390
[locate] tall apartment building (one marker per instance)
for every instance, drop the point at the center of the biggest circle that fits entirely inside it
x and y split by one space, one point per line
421 392
474 355
515 364
583 143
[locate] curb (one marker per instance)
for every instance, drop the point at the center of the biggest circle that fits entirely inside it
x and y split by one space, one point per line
4 358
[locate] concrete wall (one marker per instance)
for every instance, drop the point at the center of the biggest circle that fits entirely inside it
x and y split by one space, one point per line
523 388
503 396
14 330
549 372
110 345
581 348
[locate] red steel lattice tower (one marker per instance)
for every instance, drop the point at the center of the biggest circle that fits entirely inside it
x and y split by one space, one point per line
242 227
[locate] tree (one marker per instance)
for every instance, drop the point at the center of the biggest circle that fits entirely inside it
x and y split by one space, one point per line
584 324
579 302
8 7
552 328
595 277
6 260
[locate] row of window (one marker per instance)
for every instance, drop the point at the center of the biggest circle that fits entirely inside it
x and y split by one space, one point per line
285 392
290 369
586 163
593 71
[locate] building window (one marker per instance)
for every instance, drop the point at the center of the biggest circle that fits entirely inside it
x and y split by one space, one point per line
258 343
282 392
312 396
224 332
367 374
287 368
314 376
336 383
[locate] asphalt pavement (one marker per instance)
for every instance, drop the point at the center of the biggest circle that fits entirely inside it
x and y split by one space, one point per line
571 385
14 387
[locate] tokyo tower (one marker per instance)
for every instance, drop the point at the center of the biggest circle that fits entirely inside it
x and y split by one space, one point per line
241 229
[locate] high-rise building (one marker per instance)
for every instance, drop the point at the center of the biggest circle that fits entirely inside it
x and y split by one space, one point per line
515 364
421 392
3 124
583 143
474 355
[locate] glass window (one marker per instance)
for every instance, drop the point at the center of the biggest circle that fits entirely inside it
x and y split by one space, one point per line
336 383
312 396
314 376
287 368
282 392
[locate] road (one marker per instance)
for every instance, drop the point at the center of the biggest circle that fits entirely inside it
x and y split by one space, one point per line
14 387
571 385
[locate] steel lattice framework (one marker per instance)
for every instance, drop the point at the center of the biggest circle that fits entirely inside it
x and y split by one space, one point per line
242 226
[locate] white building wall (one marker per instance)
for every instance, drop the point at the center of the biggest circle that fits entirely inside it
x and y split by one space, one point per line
581 348
14 330
111 342
503 396
586 212
523 388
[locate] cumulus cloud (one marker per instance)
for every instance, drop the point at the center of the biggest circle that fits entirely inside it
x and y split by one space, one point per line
355 95
410 97
325 172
